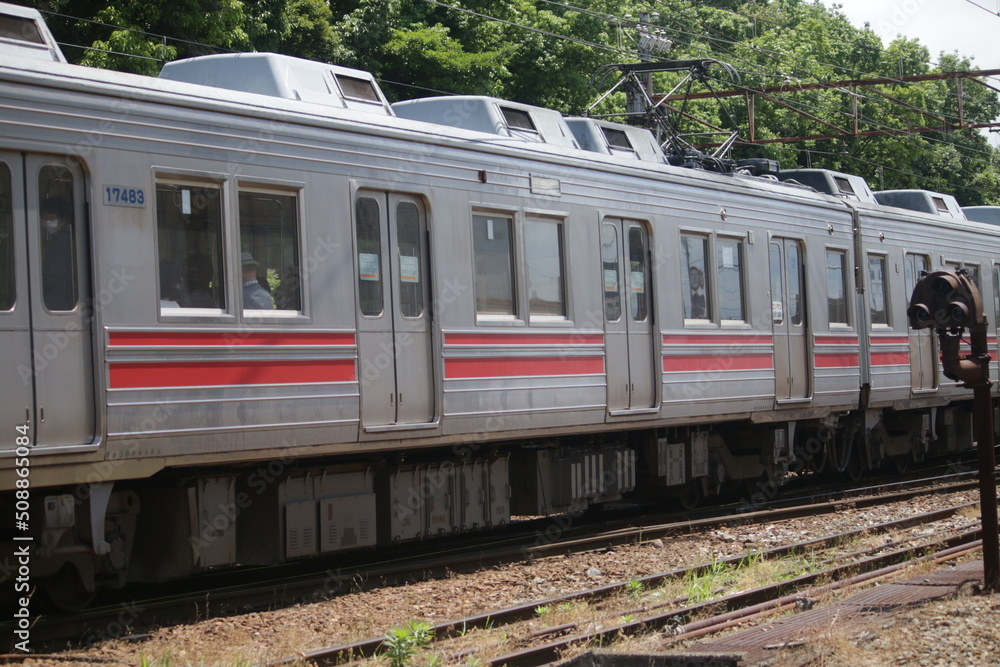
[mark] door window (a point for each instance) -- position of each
(609, 264)
(7, 282)
(369, 237)
(411, 276)
(58, 238)
(638, 275)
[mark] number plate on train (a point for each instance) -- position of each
(120, 195)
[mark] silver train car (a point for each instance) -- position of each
(255, 313)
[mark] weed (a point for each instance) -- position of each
(634, 589)
(402, 642)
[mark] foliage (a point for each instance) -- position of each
(546, 53)
(402, 642)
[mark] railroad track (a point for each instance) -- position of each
(275, 588)
(674, 615)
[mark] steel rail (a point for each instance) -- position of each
(765, 595)
(450, 629)
(88, 625)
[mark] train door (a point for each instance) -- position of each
(45, 305)
(628, 315)
(394, 319)
(788, 320)
(923, 357)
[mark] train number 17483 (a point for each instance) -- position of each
(119, 195)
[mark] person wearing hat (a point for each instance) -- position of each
(254, 295)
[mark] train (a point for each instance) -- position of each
(255, 313)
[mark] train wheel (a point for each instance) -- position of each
(820, 460)
(691, 495)
(839, 452)
(901, 463)
(65, 590)
(855, 466)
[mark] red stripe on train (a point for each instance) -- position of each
(709, 363)
(161, 375)
(836, 360)
(836, 340)
(890, 358)
(522, 339)
(182, 338)
(522, 366)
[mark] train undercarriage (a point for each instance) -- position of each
(181, 522)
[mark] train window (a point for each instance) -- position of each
(494, 257)
(777, 286)
(609, 263)
(971, 269)
(189, 237)
(518, 119)
(58, 238)
(913, 265)
(836, 287)
(996, 294)
(940, 204)
(411, 288)
(7, 282)
(796, 298)
(638, 274)
(269, 251)
(617, 139)
(729, 262)
(22, 29)
(845, 187)
(877, 289)
(369, 237)
(694, 278)
(543, 256)
(357, 89)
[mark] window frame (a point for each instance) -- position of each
(845, 284)
(561, 228)
(884, 259)
(706, 275)
(517, 317)
(285, 189)
(197, 179)
(741, 243)
(711, 276)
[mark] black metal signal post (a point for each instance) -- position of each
(949, 301)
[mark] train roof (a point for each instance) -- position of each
(836, 183)
(481, 113)
(607, 138)
(923, 201)
(23, 33)
(283, 76)
(988, 214)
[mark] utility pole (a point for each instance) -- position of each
(651, 40)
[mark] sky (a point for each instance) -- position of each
(941, 25)
(969, 27)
